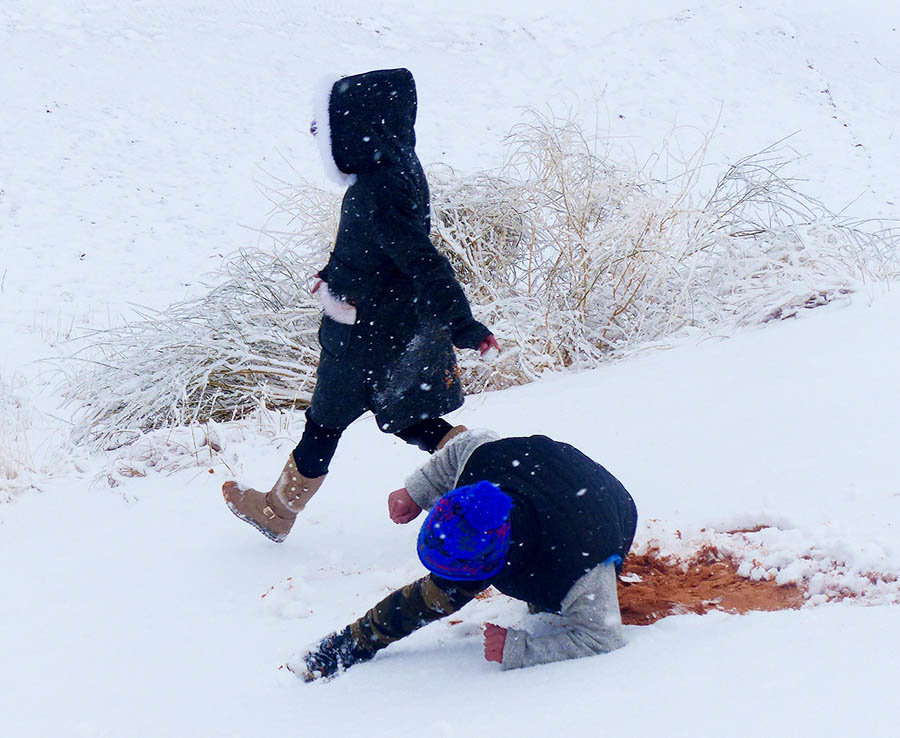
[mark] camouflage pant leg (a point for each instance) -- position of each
(408, 609)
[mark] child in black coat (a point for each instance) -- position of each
(393, 310)
(533, 517)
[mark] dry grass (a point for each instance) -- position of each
(569, 257)
(16, 461)
(573, 259)
(33, 446)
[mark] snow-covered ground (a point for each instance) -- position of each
(131, 136)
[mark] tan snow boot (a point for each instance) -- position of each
(454, 431)
(273, 513)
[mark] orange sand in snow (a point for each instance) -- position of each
(707, 581)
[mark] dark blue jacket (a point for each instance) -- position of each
(397, 359)
(569, 514)
(383, 260)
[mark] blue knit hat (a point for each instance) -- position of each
(466, 534)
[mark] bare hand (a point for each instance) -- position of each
(487, 344)
(401, 507)
(494, 641)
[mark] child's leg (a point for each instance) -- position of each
(316, 448)
(273, 512)
(426, 434)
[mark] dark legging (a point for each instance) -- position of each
(318, 443)
(426, 435)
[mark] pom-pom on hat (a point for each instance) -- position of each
(466, 534)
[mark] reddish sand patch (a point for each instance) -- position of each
(707, 581)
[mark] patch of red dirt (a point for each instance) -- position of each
(707, 581)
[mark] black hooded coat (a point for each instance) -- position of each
(397, 359)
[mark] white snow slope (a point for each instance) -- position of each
(131, 136)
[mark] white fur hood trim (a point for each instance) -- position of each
(321, 100)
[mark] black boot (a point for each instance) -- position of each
(333, 654)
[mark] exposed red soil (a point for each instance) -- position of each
(707, 581)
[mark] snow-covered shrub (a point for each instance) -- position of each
(32, 445)
(570, 257)
(16, 469)
(251, 341)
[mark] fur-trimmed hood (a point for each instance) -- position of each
(365, 121)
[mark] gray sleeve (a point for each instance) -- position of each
(593, 624)
(439, 475)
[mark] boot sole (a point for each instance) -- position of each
(267, 532)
